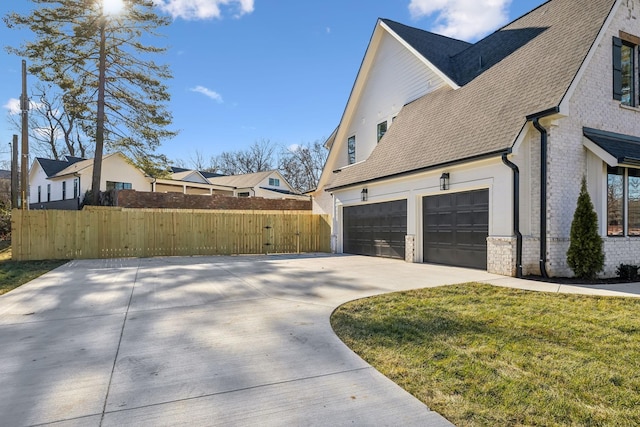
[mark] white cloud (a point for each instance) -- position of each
(463, 19)
(293, 147)
(203, 9)
(13, 105)
(208, 93)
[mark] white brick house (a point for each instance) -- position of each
(444, 147)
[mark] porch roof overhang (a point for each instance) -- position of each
(615, 149)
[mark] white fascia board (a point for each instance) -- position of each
(424, 60)
(564, 104)
(598, 151)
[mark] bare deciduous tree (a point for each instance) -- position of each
(257, 158)
(52, 130)
(301, 165)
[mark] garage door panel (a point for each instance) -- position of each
(456, 227)
(377, 229)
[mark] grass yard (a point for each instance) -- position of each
(16, 273)
(488, 356)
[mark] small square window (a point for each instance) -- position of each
(275, 182)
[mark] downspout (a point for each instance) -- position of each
(544, 136)
(516, 212)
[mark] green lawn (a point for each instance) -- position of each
(488, 356)
(16, 273)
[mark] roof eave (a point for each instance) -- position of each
(483, 156)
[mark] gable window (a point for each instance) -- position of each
(382, 129)
(64, 190)
(625, 78)
(48, 192)
(111, 185)
(275, 182)
(351, 149)
(623, 202)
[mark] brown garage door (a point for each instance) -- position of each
(378, 229)
(456, 227)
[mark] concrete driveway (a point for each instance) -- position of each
(202, 341)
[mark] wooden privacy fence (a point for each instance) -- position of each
(100, 232)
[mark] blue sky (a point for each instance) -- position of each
(282, 70)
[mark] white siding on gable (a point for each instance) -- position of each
(396, 78)
(116, 169)
(37, 177)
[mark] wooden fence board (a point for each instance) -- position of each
(115, 233)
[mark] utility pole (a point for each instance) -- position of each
(14, 173)
(24, 167)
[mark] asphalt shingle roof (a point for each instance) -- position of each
(486, 115)
(625, 148)
(52, 167)
(241, 181)
(438, 49)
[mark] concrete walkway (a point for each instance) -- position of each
(208, 341)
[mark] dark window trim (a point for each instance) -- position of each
(625, 201)
(351, 150)
(632, 42)
(379, 133)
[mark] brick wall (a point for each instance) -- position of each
(501, 255)
(591, 105)
(135, 199)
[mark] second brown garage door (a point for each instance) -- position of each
(456, 227)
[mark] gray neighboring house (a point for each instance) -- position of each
(472, 154)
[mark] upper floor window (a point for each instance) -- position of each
(64, 190)
(111, 185)
(75, 188)
(48, 192)
(351, 149)
(275, 182)
(382, 129)
(39, 193)
(623, 202)
(625, 77)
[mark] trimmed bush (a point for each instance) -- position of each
(585, 255)
(628, 272)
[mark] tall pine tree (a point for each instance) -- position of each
(585, 255)
(101, 60)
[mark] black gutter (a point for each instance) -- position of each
(544, 137)
(423, 169)
(516, 212)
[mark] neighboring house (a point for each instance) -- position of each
(268, 184)
(472, 154)
(62, 184)
(189, 181)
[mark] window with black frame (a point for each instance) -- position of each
(623, 202)
(625, 78)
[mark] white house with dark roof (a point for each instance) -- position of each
(268, 184)
(472, 154)
(62, 184)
